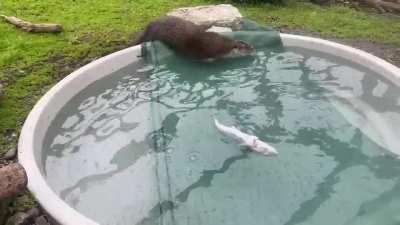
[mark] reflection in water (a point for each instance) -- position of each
(204, 181)
(160, 139)
(140, 147)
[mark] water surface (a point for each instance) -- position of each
(140, 146)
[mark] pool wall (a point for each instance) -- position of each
(46, 109)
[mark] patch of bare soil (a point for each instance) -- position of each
(388, 52)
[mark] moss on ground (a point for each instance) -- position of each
(31, 63)
(22, 203)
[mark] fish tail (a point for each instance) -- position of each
(220, 127)
(216, 122)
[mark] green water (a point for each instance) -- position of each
(140, 146)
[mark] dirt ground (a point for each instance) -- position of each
(388, 52)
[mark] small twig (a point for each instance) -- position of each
(33, 27)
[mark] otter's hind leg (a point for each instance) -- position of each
(140, 38)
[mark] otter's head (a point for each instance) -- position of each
(239, 48)
(242, 48)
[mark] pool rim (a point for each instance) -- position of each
(43, 112)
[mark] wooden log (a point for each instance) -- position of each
(390, 6)
(383, 5)
(33, 27)
(13, 180)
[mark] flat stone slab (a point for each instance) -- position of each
(222, 15)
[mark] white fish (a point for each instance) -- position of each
(251, 141)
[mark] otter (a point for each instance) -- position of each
(192, 40)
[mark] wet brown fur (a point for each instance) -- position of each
(190, 39)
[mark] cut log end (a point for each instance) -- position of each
(383, 5)
(13, 180)
(33, 27)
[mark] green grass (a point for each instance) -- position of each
(92, 28)
(31, 63)
(338, 21)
